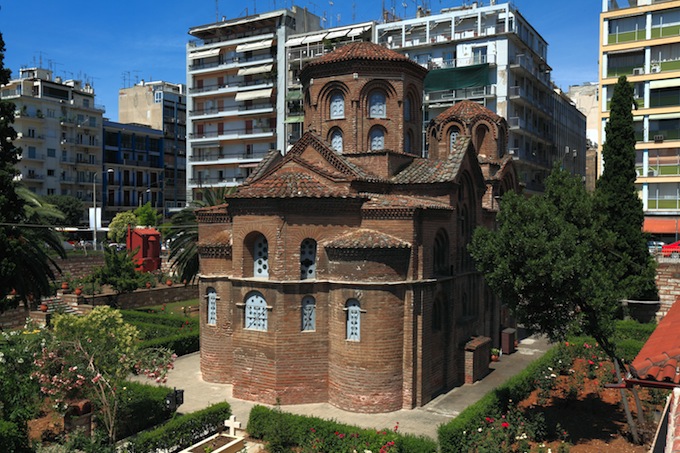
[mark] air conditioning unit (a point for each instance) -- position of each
(638, 71)
(658, 138)
(655, 68)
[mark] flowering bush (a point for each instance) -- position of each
(90, 356)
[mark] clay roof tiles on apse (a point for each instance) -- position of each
(290, 183)
(380, 201)
(360, 51)
(659, 358)
(467, 111)
(218, 238)
(365, 238)
(424, 171)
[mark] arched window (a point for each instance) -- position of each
(353, 309)
(211, 296)
(408, 140)
(256, 312)
(377, 105)
(377, 139)
(337, 105)
(453, 137)
(308, 313)
(308, 259)
(261, 257)
(441, 253)
(336, 139)
(439, 317)
(407, 109)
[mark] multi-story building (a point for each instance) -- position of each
(133, 165)
(236, 77)
(492, 55)
(59, 130)
(162, 105)
(639, 39)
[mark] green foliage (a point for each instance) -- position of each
(283, 432)
(119, 271)
(119, 226)
(12, 438)
(71, 207)
(633, 330)
(617, 198)
(181, 431)
(147, 215)
(141, 407)
(179, 334)
(550, 260)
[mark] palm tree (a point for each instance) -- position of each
(36, 246)
(183, 233)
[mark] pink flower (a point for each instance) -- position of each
(96, 378)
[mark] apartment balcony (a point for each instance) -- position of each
(67, 180)
(226, 157)
(525, 64)
(443, 98)
(33, 156)
(520, 125)
(231, 111)
(460, 62)
(30, 138)
(198, 182)
(234, 134)
(230, 86)
(524, 97)
(25, 116)
(614, 5)
(231, 63)
(30, 176)
(666, 203)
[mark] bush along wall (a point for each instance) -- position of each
(181, 431)
(178, 333)
(140, 407)
(289, 432)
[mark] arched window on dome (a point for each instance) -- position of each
(336, 139)
(308, 259)
(261, 257)
(337, 105)
(255, 312)
(377, 104)
(377, 139)
(453, 136)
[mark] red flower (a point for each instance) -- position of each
(489, 420)
(505, 425)
(590, 362)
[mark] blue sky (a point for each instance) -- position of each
(114, 44)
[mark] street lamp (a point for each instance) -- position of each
(94, 210)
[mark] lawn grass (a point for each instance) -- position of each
(177, 308)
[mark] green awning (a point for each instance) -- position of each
(457, 78)
(294, 119)
(294, 95)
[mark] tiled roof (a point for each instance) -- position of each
(218, 238)
(290, 183)
(659, 358)
(364, 238)
(271, 159)
(360, 51)
(467, 111)
(380, 201)
(146, 231)
(424, 171)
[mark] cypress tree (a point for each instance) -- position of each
(618, 200)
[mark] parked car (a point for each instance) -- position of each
(671, 250)
(655, 247)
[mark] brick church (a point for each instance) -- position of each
(338, 272)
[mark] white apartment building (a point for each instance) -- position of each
(162, 105)
(236, 78)
(492, 55)
(59, 130)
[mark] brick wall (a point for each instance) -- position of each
(477, 355)
(668, 283)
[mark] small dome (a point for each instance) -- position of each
(467, 111)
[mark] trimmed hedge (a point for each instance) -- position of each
(141, 406)
(284, 431)
(633, 330)
(181, 344)
(177, 333)
(493, 404)
(181, 431)
(135, 316)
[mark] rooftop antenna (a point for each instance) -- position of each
(217, 11)
(354, 11)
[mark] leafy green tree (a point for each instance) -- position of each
(92, 356)
(550, 260)
(183, 233)
(71, 207)
(119, 271)
(147, 215)
(617, 198)
(119, 226)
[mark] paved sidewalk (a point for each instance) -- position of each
(422, 421)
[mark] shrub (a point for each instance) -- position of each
(12, 438)
(178, 333)
(633, 330)
(181, 344)
(181, 431)
(141, 406)
(629, 348)
(284, 431)
(135, 316)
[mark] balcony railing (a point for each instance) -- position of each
(214, 157)
(229, 61)
(235, 84)
(216, 180)
(233, 132)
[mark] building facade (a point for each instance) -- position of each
(133, 168)
(162, 105)
(338, 271)
(236, 77)
(59, 129)
(492, 55)
(640, 40)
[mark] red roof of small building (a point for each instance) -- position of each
(146, 231)
(362, 50)
(659, 358)
(467, 111)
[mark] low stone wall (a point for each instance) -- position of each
(477, 355)
(79, 265)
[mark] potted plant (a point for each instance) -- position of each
(495, 354)
(79, 291)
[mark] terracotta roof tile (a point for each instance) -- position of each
(360, 51)
(467, 111)
(219, 238)
(364, 238)
(380, 201)
(290, 183)
(659, 357)
(424, 171)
